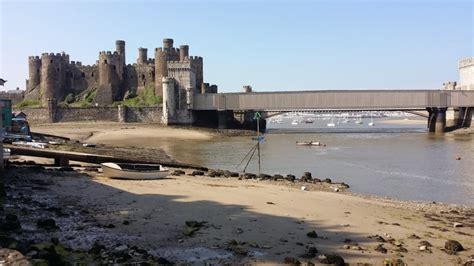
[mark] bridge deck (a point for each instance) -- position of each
(335, 100)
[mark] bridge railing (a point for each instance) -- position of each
(335, 100)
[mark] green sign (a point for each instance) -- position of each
(257, 116)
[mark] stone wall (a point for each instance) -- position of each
(35, 115)
(109, 114)
(144, 114)
(86, 114)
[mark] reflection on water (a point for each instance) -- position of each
(397, 160)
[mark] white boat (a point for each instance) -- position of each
(134, 171)
(359, 121)
(294, 122)
(371, 124)
(331, 124)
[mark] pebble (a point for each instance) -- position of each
(304, 188)
(423, 248)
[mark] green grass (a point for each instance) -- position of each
(146, 97)
(29, 103)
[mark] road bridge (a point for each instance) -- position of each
(240, 106)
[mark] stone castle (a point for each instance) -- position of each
(172, 74)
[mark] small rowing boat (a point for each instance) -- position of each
(134, 171)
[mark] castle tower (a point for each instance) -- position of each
(53, 69)
(120, 49)
(142, 56)
(183, 52)
(169, 100)
(162, 56)
(109, 80)
(34, 71)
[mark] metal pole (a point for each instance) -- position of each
(258, 143)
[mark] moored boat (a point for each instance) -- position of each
(134, 171)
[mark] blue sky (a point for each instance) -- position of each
(271, 45)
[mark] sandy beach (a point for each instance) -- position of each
(246, 220)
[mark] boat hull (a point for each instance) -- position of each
(112, 170)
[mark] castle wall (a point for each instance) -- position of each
(109, 114)
(15, 97)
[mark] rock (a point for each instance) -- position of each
(336, 189)
(452, 247)
(425, 243)
(264, 176)
(110, 226)
(291, 260)
(423, 248)
(332, 259)
(48, 224)
(346, 247)
(458, 158)
(197, 172)
(310, 253)
(316, 180)
(96, 248)
(394, 262)
(457, 225)
(327, 180)
(270, 203)
(381, 249)
(304, 188)
(178, 172)
(125, 222)
(249, 176)
(306, 177)
(234, 174)
(290, 178)
(312, 234)
(121, 248)
(66, 169)
(413, 236)
(277, 177)
(344, 185)
(11, 223)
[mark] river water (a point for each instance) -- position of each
(397, 158)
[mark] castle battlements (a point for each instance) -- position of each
(466, 62)
(52, 75)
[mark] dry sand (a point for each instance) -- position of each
(109, 132)
(271, 219)
(411, 121)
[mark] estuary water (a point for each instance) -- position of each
(394, 158)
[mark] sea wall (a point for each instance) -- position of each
(109, 114)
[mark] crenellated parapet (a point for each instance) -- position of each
(466, 62)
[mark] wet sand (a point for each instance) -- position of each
(256, 221)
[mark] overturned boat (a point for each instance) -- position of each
(134, 171)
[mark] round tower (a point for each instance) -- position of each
(169, 100)
(167, 43)
(120, 48)
(51, 76)
(34, 72)
(183, 52)
(142, 56)
(107, 68)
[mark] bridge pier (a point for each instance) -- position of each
(437, 119)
